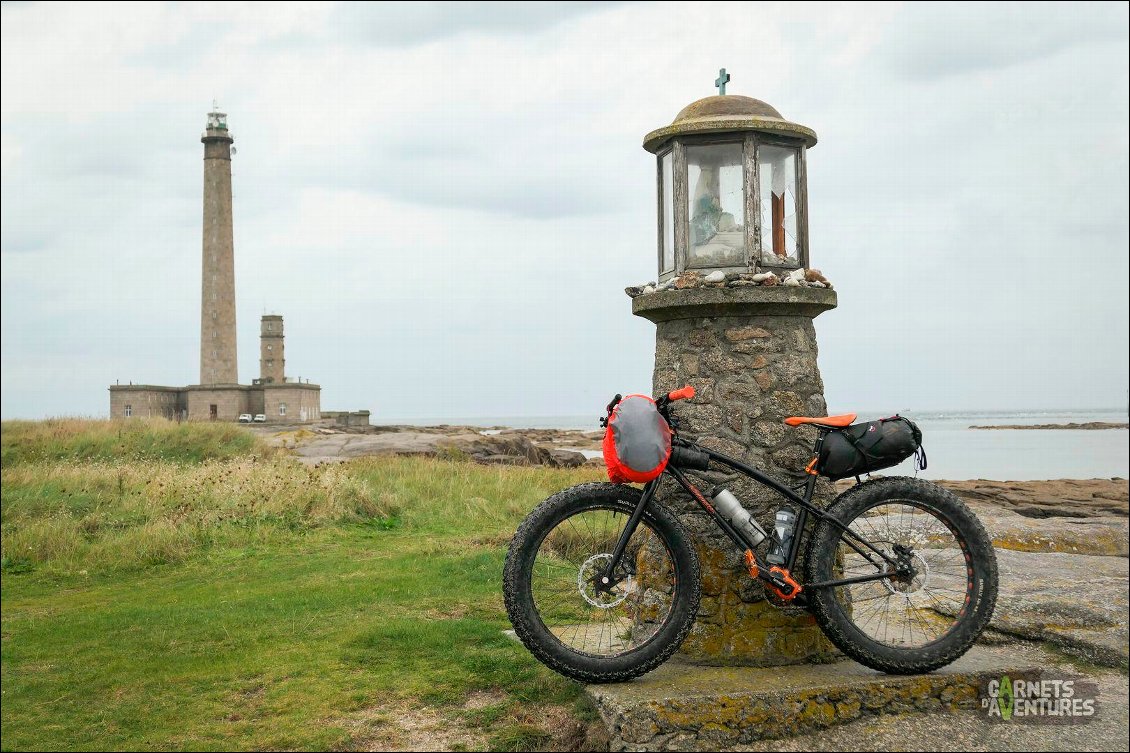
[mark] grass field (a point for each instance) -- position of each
(185, 587)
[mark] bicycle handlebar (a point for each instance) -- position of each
(661, 403)
(686, 393)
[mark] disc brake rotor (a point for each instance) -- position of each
(907, 585)
(586, 576)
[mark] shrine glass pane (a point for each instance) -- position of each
(716, 206)
(668, 174)
(778, 168)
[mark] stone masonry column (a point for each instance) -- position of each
(217, 293)
(750, 353)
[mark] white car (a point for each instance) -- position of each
(260, 418)
(245, 418)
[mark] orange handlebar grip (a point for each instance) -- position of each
(684, 394)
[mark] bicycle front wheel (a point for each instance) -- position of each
(563, 612)
(939, 584)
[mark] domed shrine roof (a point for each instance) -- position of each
(724, 113)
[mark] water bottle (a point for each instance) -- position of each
(731, 509)
(785, 522)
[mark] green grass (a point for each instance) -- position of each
(310, 616)
(77, 439)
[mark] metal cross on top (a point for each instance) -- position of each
(722, 80)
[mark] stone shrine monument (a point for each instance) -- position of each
(734, 307)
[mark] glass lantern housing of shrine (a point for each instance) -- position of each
(734, 203)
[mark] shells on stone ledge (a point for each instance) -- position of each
(817, 277)
(809, 278)
(688, 279)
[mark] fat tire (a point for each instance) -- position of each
(838, 626)
(519, 600)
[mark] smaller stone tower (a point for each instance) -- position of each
(272, 350)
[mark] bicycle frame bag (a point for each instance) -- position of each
(873, 446)
(637, 441)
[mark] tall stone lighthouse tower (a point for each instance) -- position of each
(217, 307)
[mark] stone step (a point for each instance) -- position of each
(683, 706)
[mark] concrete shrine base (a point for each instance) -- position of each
(685, 706)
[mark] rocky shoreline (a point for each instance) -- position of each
(558, 448)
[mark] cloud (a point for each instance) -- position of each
(938, 40)
(449, 218)
(400, 24)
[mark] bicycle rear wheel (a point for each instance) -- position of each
(924, 617)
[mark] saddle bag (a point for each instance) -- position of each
(637, 441)
(872, 446)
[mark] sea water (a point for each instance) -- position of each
(953, 449)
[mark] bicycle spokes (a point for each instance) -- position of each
(575, 603)
(927, 588)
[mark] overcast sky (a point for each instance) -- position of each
(446, 201)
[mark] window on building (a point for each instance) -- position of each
(270, 362)
(213, 334)
(270, 347)
(129, 410)
(270, 325)
(282, 409)
(213, 314)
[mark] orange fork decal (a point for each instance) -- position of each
(751, 563)
(701, 499)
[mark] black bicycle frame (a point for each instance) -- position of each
(804, 503)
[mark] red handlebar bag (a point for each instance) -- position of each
(637, 442)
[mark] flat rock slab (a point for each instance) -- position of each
(1083, 498)
(682, 706)
(1077, 602)
(1105, 535)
